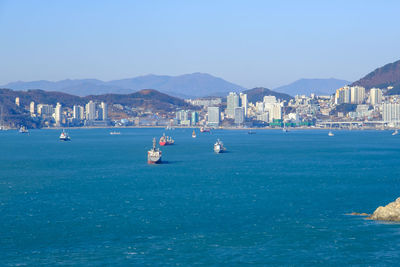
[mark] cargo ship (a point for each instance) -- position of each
(64, 136)
(154, 154)
(219, 147)
(166, 140)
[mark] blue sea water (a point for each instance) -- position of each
(273, 199)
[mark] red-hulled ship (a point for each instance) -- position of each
(166, 140)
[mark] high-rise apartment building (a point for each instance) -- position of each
(213, 116)
(375, 96)
(58, 114)
(391, 112)
(90, 110)
(244, 103)
(239, 115)
(232, 103)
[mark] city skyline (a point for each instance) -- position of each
(260, 43)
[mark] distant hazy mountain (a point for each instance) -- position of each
(258, 93)
(388, 75)
(309, 86)
(188, 85)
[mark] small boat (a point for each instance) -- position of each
(219, 147)
(285, 129)
(154, 154)
(115, 133)
(204, 130)
(169, 127)
(194, 134)
(64, 136)
(251, 132)
(330, 133)
(396, 132)
(163, 140)
(170, 141)
(23, 129)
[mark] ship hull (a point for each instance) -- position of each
(153, 160)
(162, 143)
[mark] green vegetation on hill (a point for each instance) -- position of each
(388, 75)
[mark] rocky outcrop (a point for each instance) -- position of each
(391, 212)
(359, 214)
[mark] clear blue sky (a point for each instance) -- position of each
(252, 43)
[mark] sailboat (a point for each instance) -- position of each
(194, 134)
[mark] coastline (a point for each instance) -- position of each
(219, 128)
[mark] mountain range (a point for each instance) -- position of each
(183, 86)
(187, 85)
(309, 86)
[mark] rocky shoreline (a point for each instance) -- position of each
(390, 212)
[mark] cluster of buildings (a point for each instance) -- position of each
(92, 114)
(349, 105)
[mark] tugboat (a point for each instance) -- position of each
(170, 141)
(166, 140)
(163, 140)
(194, 134)
(154, 154)
(204, 130)
(64, 136)
(23, 129)
(219, 147)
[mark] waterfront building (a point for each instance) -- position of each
(244, 103)
(263, 117)
(194, 118)
(90, 110)
(375, 96)
(58, 114)
(274, 111)
(104, 109)
(182, 115)
(213, 116)
(78, 112)
(239, 115)
(232, 103)
(391, 112)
